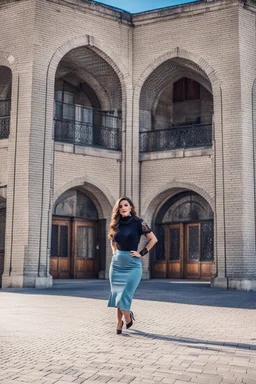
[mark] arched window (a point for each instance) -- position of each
(77, 204)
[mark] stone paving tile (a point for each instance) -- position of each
(184, 333)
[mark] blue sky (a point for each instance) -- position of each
(134, 6)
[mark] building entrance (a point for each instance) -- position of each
(185, 248)
(78, 238)
(74, 249)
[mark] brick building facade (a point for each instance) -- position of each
(159, 106)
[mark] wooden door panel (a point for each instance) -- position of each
(172, 265)
(174, 270)
(174, 250)
(54, 267)
(60, 249)
(85, 269)
(64, 268)
(193, 270)
(159, 269)
(188, 251)
(64, 251)
(192, 251)
(86, 263)
(206, 270)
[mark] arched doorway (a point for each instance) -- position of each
(185, 229)
(78, 237)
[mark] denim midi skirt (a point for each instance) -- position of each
(124, 275)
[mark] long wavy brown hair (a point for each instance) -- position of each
(115, 218)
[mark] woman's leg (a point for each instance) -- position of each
(127, 316)
(119, 318)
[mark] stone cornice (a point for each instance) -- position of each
(151, 16)
(183, 10)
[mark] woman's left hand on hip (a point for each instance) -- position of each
(135, 254)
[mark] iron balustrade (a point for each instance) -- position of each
(5, 109)
(87, 134)
(86, 126)
(191, 136)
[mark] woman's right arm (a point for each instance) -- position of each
(113, 246)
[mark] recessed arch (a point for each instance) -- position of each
(184, 54)
(183, 221)
(98, 47)
(161, 194)
(99, 193)
(80, 215)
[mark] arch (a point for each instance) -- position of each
(160, 195)
(97, 192)
(120, 69)
(186, 240)
(173, 206)
(102, 49)
(75, 203)
(183, 54)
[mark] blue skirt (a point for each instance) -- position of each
(124, 275)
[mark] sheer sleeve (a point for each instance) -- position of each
(145, 228)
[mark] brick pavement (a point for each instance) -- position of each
(184, 333)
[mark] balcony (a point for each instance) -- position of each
(5, 109)
(190, 136)
(87, 127)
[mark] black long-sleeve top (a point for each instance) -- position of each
(130, 231)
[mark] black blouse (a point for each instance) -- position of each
(130, 231)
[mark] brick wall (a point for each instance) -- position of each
(138, 62)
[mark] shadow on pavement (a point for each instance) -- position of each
(171, 291)
(194, 343)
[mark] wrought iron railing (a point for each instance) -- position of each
(86, 126)
(87, 134)
(5, 109)
(191, 136)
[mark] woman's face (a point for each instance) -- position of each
(124, 208)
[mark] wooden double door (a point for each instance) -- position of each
(74, 248)
(188, 252)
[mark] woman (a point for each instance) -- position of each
(125, 271)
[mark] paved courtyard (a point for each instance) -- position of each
(185, 332)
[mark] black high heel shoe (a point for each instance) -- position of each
(131, 322)
(119, 331)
